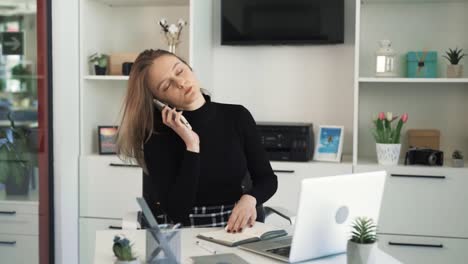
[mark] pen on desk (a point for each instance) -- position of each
(176, 226)
(205, 247)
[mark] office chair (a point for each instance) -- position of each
(264, 211)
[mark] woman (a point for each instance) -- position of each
(193, 176)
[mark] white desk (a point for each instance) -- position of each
(104, 254)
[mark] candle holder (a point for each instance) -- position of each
(385, 60)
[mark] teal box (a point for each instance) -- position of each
(422, 64)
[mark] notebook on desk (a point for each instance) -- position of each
(259, 231)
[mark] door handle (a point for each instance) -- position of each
(9, 243)
(284, 171)
(123, 165)
(415, 245)
(7, 212)
(418, 176)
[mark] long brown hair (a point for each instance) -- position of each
(137, 123)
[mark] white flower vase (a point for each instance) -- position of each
(388, 154)
(359, 253)
(172, 48)
(136, 261)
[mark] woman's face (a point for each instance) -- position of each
(172, 82)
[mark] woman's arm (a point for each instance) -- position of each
(264, 181)
(173, 177)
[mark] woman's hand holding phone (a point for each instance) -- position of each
(172, 119)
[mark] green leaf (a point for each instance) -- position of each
(364, 231)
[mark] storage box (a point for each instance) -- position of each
(117, 59)
(422, 64)
(424, 138)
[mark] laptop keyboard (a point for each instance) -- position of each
(282, 251)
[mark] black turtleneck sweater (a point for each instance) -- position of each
(229, 148)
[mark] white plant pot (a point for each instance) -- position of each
(359, 253)
(454, 71)
(388, 154)
(136, 261)
(458, 163)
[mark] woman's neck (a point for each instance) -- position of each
(197, 103)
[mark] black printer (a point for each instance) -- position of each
(287, 141)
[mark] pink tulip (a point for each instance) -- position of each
(404, 117)
(381, 116)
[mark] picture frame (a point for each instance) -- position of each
(329, 144)
(106, 139)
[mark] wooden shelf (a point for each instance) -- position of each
(123, 3)
(412, 80)
(106, 77)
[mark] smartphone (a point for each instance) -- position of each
(160, 105)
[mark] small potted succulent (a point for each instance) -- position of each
(454, 70)
(123, 251)
(457, 159)
(99, 61)
(362, 242)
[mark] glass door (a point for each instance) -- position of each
(25, 132)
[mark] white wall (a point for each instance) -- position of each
(310, 83)
(65, 46)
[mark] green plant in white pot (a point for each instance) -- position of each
(100, 62)
(454, 69)
(387, 137)
(363, 241)
(457, 159)
(123, 251)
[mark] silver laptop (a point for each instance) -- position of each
(327, 208)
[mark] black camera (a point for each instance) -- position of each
(424, 156)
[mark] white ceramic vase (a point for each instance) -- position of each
(454, 71)
(388, 154)
(136, 261)
(359, 253)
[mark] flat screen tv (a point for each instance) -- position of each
(254, 22)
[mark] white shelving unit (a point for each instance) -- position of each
(123, 26)
(108, 189)
(430, 102)
(410, 2)
(417, 199)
